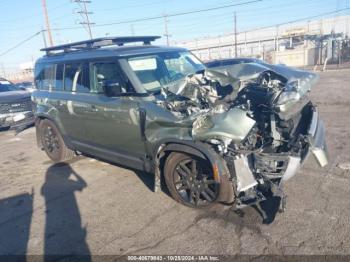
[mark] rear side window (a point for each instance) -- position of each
(49, 77)
(75, 78)
(59, 77)
(45, 76)
(38, 74)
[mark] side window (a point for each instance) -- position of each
(102, 73)
(39, 75)
(49, 77)
(59, 77)
(75, 78)
(45, 76)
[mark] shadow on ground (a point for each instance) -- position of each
(64, 233)
(15, 220)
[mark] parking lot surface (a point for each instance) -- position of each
(91, 207)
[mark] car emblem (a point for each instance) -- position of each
(15, 105)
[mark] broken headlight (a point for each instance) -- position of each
(288, 97)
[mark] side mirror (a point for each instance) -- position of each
(111, 88)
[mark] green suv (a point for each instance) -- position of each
(229, 134)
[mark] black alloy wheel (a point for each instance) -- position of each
(190, 180)
(53, 143)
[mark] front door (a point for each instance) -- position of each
(112, 122)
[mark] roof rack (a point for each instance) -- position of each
(100, 42)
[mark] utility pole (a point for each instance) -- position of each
(48, 29)
(166, 34)
(236, 53)
(85, 15)
(44, 38)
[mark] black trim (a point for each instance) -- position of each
(142, 113)
(118, 157)
(187, 146)
(100, 42)
(185, 149)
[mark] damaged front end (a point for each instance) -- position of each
(258, 118)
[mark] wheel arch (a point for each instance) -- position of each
(202, 150)
(193, 148)
(38, 119)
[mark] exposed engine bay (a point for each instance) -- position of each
(259, 119)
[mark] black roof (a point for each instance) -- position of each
(114, 47)
(122, 51)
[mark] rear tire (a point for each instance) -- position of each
(53, 143)
(191, 182)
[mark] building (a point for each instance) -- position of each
(295, 44)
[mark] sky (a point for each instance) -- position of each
(21, 19)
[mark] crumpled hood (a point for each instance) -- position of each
(202, 85)
(232, 75)
(11, 96)
(250, 71)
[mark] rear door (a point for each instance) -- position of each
(69, 98)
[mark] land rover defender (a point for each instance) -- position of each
(232, 134)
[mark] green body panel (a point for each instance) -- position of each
(233, 124)
(114, 122)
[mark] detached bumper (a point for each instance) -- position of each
(317, 140)
(16, 120)
(317, 146)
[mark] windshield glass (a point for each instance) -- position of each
(155, 71)
(6, 86)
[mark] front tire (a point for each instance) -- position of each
(53, 143)
(190, 181)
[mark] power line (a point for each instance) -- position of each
(85, 15)
(168, 15)
(34, 14)
(223, 18)
(284, 23)
(20, 43)
(182, 13)
(298, 20)
(130, 6)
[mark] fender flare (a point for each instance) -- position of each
(221, 172)
(194, 148)
(38, 119)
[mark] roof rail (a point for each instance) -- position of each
(100, 42)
